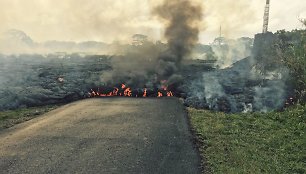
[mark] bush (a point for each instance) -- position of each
(292, 50)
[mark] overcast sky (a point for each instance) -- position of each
(116, 20)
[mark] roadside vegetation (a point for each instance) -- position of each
(291, 51)
(252, 143)
(288, 50)
(273, 142)
(12, 117)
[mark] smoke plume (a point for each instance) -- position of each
(152, 64)
(182, 19)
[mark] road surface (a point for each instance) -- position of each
(109, 135)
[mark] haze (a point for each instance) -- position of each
(117, 20)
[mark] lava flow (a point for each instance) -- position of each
(125, 91)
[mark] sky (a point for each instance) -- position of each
(118, 20)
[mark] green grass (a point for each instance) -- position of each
(252, 143)
(11, 117)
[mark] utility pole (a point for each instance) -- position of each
(220, 35)
(266, 17)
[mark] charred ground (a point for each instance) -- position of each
(34, 80)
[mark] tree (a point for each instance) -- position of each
(292, 50)
(284, 50)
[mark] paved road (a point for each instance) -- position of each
(110, 135)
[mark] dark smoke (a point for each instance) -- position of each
(148, 64)
(182, 19)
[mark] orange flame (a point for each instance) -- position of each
(128, 92)
(169, 94)
(145, 92)
(115, 92)
(93, 93)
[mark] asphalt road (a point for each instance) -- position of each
(109, 135)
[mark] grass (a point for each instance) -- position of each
(252, 143)
(12, 117)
